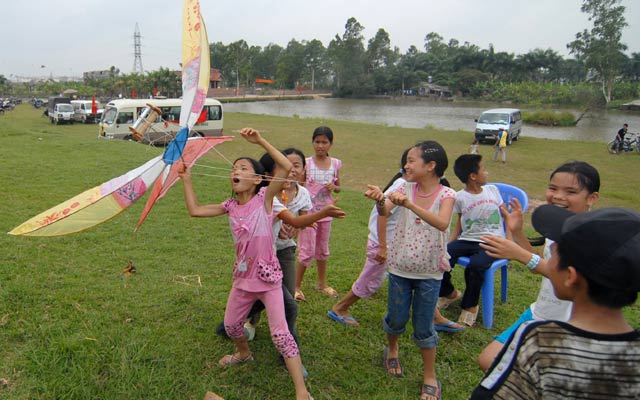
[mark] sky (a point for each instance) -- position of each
(69, 37)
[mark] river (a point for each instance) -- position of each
(600, 126)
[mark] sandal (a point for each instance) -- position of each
(430, 390)
(468, 318)
(445, 302)
(233, 359)
(328, 290)
(299, 296)
(391, 364)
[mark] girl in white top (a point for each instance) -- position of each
(381, 230)
(574, 186)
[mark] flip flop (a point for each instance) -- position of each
(299, 296)
(232, 359)
(447, 327)
(430, 390)
(347, 321)
(445, 302)
(329, 291)
(392, 363)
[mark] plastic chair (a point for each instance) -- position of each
(508, 192)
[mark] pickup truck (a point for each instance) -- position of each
(61, 113)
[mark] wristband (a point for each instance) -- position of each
(535, 260)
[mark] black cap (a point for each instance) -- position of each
(603, 245)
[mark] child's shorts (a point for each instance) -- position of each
(505, 335)
(314, 243)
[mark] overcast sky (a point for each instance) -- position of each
(69, 37)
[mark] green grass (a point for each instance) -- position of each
(73, 327)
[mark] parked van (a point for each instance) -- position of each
(120, 114)
(82, 111)
(491, 121)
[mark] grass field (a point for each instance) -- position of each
(72, 326)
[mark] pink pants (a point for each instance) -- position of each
(314, 243)
(238, 306)
(372, 275)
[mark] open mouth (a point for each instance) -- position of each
(236, 180)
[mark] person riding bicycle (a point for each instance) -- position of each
(620, 137)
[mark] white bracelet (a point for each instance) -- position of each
(535, 260)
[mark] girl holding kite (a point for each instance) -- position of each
(256, 273)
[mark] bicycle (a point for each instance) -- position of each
(631, 142)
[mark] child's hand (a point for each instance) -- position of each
(381, 255)
(499, 247)
(513, 220)
(374, 193)
(399, 199)
(287, 232)
(251, 135)
(183, 171)
(334, 211)
(330, 187)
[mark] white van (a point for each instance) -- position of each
(120, 114)
(61, 113)
(82, 111)
(490, 122)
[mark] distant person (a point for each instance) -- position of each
(501, 145)
(473, 149)
(595, 264)
(620, 137)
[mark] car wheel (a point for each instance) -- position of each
(509, 140)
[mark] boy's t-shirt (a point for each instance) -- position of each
(479, 213)
(555, 360)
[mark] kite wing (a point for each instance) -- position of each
(94, 206)
(195, 148)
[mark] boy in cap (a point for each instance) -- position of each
(595, 263)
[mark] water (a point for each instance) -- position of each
(599, 126)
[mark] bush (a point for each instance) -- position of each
(549, 118)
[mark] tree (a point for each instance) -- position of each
(348, 58)
(600, 48)
(314, 59)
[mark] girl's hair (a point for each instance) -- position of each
(270, 165)
(403, 161)
(432, 151)
(323, 131)
(587, 176)
(258, 169)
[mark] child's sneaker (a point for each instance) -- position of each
(249, 331)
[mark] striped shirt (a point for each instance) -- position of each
(554, 360)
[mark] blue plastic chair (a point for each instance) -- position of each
(508, 192)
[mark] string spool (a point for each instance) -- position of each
(147, 118)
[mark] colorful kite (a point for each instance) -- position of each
(111, 198)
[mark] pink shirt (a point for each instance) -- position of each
(251, 228)
(316, 179)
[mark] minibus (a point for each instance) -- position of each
(120, 114)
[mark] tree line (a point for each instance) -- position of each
(348, 67)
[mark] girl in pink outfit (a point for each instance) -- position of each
(256, 273)
(322, 179)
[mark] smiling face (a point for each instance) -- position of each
(565, 190)
(297, 171)
(416, 168)
(243, 176)
(321, 145)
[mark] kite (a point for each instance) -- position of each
(105, 201)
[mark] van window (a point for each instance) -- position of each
(125, 118)
(109, 115)
(65, 108)
(214, 113)
(494, 119)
